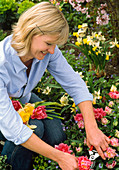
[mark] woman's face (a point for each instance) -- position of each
(41, 45)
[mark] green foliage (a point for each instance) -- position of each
(40, 162)
(6, 5)
(3, 164)
(2, 35)
(8, 9)
(23, 6)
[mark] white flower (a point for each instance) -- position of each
(80, 73)
(96, 96)
(113, 43)
(79, 40)
(113, 88)
(32, 127)
(84, 25)
(64, 100)
(47, 90)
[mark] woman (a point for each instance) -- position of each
(24, 57)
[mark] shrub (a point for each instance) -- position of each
(8, 13)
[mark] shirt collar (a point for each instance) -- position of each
(17, 63)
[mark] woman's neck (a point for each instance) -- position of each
(28, 63)
(26, 59)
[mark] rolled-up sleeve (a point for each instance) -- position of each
(70, 81)
(11, 124)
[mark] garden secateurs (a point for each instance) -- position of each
(93, 156)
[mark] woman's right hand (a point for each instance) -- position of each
(65, 160)
(68, 162)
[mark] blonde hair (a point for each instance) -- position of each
(42, 18)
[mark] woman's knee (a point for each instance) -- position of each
(53, 133)
(39, 130)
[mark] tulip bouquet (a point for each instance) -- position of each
(38, 110)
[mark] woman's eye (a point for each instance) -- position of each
(49, 44)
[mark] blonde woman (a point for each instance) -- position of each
(24, 57)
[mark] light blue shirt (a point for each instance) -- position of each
(13, 78)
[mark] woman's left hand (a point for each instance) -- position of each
(98, 139)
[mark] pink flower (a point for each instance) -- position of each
(104, 121)
(79, 149)
(108, 110)
(85, 142)
(114, 95)
(102, 20)
(114, 142)
(78, 117)
(88, 0)
(63, 147)
(84, 163)
(111, 103)
(17, 105)
(99, 113)
(112, 165)
(110, 153)
(39, 113)
(81, 124)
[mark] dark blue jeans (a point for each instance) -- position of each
(48, 130)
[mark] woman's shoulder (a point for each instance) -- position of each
(5, 50)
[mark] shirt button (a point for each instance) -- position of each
(24, 70)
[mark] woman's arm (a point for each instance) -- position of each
(95, 136)
(66, 161)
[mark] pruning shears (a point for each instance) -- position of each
(93, 156)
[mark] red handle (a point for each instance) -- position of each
(91, 148)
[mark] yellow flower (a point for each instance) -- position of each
(77, 43)
(88, 42)
(29, 108)
(73, 105)
(97, 53)
(73, 110)
(79, 26)
(26, 112)
(24, 115)
(74, 33)
(85, 40)
(94, 100)
(96, 35)
(107, 57)
(54, 2)
(89, 52)
(38, 89)
(60, 8)
(94, 48)
(117, 45)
